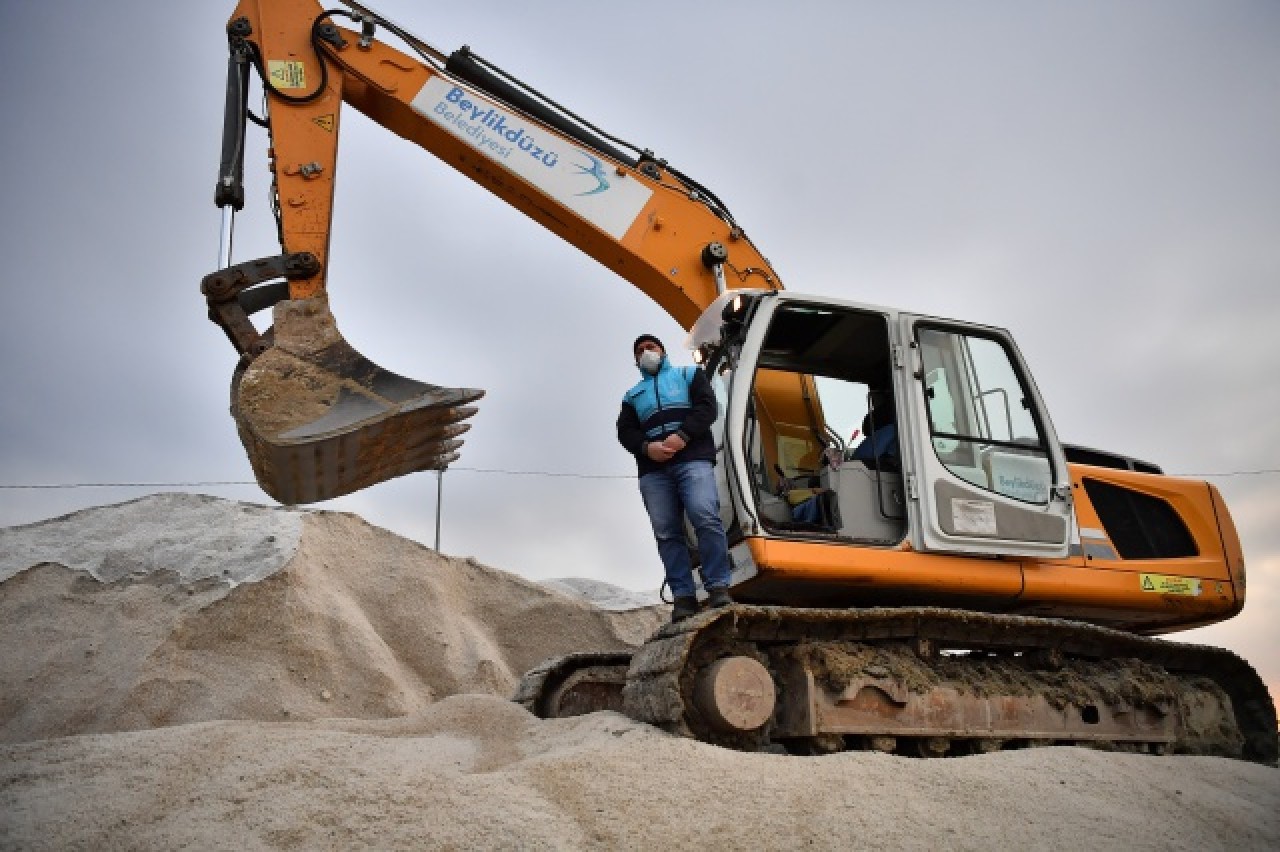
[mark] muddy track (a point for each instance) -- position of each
(659, 679)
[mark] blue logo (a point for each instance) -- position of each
(596, 170)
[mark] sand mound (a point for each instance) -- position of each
(299, 680)
(475, 772)
(179, 608)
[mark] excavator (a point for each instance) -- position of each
(960, 581)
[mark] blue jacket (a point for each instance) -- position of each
(678, 400)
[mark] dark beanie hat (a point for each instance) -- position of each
(642, 338)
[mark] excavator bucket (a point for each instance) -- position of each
(320, 420)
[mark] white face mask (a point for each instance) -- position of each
(650, 361)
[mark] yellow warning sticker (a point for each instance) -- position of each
(286, 74)
(325, 121)
(1165, 585)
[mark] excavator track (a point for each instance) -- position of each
(575, 684)
(922, 681)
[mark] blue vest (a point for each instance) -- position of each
(662, 402)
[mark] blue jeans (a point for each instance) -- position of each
(810, 511)
(671, 493)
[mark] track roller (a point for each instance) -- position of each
(735, 694)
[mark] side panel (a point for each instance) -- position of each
(1169, 579)
(839, 574)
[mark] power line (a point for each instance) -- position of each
(211, 484)
(239, 482)
(218, 483)
(544, 473)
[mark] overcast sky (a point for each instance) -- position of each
(1101, 178)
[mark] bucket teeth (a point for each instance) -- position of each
(322, 421)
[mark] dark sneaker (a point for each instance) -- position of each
(684, 608)
(718, 597)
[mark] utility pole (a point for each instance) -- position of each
(439, 498)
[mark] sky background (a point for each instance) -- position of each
(1101, 178)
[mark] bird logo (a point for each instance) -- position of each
(596, 170)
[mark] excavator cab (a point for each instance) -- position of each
(851, 428)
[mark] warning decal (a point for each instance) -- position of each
(974, 517)
(286, 74)
(1165, 585)
(325, 121)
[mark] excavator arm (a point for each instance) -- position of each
(318, 419)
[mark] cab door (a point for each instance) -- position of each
(985, 471)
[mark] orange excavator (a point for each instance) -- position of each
(958, 580)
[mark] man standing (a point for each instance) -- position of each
(665, 423)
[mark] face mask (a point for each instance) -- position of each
(650, 361)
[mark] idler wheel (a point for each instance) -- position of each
(735, 694)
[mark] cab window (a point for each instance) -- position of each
(983, 422)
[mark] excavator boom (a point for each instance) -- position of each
(317, 418)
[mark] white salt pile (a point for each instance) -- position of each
(181, 608)
(604, 595)
(188, 672)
